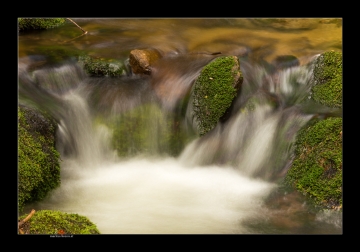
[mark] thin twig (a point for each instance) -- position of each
(77, 25)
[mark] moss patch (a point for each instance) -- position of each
(56, 222)
(214, 91)
(39, 23)
(317, 168)
(327, 84)
(38, 160)
(102, 67)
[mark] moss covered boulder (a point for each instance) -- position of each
(56, 223)
(316, 170)
(327, 80)
(38, 160)
(39, 23)
(214, 91)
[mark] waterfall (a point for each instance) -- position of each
(216, 184)
(258, 137)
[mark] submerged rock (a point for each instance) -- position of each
(284, 61)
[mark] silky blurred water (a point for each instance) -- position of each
(222, 183)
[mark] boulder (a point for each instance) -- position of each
(214, 91)
(316, 170)
(38, 160)
(141, 60)
(327, 80)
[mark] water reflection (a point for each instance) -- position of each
(265, 38)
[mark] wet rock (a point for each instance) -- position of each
(316, 170)
(327, 81)
(172, 77)
(284, 61)
(38, 160)
(214, 91)
(102, 67)
(141, 60)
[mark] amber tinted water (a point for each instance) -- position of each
(263, 38)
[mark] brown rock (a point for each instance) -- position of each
(142, 60)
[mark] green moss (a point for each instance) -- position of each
(317, 168)
(58, 53)
(147, 130)
(102, 67)
(215, 90)
(38, 160)
(39, 23)
(56, 222)
(327, 84)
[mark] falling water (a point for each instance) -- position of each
(217, 184)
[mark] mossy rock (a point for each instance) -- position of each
(214, 91)
(38, 159)
(57, 223)
(327, 80)
(39, 23)
(316, 170)
(147, 130)
(102, 67)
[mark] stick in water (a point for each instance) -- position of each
(77, 25)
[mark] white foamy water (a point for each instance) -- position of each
(150, 196)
